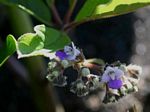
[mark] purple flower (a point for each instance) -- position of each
(115, 84)
(62, 55)
(69, 53)
(72, 52)
(112, 76)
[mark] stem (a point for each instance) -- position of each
(70, 26)
(55, 13)
(70, 11)
(74, 24)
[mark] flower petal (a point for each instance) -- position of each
(119, 73)
(68, 50)
(62, 55)
(115, 84)
(105, 77)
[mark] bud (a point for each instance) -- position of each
(123, 67)
(85, 71)
(50, 77)
(55, 73)
(129, 85)
(65, 63)
(123, 90)
(52, 65)
(112, 99)
(135, 88)
(78, 87)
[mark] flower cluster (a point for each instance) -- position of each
(69, 53)
(55, 74)
(112, 76)
(117, 79)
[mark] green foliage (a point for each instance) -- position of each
(8, 49)
(89, 8)
(97, 9)
(37, 8)
(118, 7)
(44, 42)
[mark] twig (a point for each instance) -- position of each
(70, 11)
(55, 13)
(72, 25)
(69, 26)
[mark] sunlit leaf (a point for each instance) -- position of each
(118, 7)
(109, 8)
(8, 49)
(44, 42)
(37, 8)
(89, 8)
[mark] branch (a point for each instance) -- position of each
(70, 11)
(73, 24)
(69, 26)
(55, 13)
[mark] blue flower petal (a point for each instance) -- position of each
(106, 77)
(62, 55)
(119, 73)
(115, 84)
(71, 52)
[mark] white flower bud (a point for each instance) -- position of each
(52, 65)
(65, 63)
(80, 85)
(123, 68)
(55, 73)
(50, 77)
(135, 88)
(85, 71)
(129, 85)
(123, 90)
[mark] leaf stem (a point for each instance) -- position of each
(74, 24)
(70, 11)
(55, 13)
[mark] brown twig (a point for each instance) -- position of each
(70, 26)
(55, 13)
(69, 12)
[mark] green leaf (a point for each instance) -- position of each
(37, 8)
(89, 8)
(118, 7)
(108, 8)
(8, 49)
(44, 42)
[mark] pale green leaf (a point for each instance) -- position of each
(107, 9)
(118, 7)
(44, 42)
(89, 8)
(8, 49)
